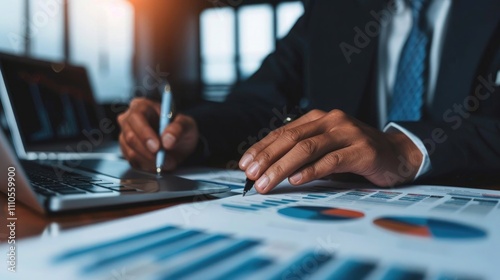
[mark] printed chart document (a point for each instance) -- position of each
(234, 179)
(322, 230)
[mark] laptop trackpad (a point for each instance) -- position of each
(143, 181)
(119, 169)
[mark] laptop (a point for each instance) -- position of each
(63, 185)
(51, 111)
(65, 158)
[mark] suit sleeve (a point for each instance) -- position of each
(469, 151)
(464, 147)
(253, 107)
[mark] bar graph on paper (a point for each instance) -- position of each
(175, 253)
(310, 232)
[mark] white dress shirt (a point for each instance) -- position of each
(393, 35)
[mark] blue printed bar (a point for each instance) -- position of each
(211, 259)
(106, 245)
(313, 260)
(397, 273)
(246, 268)
(120, 254)
(259, 206)
(189, 246)
(317, 196)
(271, 204)
(240, 207)
(353, 270)
(275, 201)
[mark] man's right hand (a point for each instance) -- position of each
(139, 142)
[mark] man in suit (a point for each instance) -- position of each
(393, 91)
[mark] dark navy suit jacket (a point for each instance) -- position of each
(321, 64)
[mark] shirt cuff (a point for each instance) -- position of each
(425, 166)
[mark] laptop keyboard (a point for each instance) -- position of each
(46, 182)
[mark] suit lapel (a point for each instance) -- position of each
(470, 28)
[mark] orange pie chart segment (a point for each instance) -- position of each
(429, 227)
(317, 213)
(343, 213)
(403, 228)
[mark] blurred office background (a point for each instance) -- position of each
(204, 46)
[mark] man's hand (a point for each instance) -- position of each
(139, 142)
(319, 144)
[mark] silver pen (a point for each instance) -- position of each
(165, 116)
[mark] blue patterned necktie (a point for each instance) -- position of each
(412, 73)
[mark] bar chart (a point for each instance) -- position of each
(172, 252)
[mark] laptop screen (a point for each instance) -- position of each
(51, 103)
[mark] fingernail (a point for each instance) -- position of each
(168, 141)
(253, 169)
(262, 183)
(296, 178)
(152, 145)
(246, 160)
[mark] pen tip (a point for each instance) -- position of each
(244, 193)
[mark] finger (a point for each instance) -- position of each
(136, 159)
(148, 138)
(137, 163)
(339, 161)
(143, 105)
(175, 130)
(125, 149)
(276, 150)
(138, 117)
(303, 153)
(249, 156)
(310, 125)
(133, 141)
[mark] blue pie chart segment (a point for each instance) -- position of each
(445, 229)
(430, 227)
(317, 213)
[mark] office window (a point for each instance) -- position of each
(101, 38)
(47, 29)
(11, 26)
(217, 46)
(288, 13)
(255, 37)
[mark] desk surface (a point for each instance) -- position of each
(32, 224)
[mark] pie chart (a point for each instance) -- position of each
(317, 213)
(429, 227)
